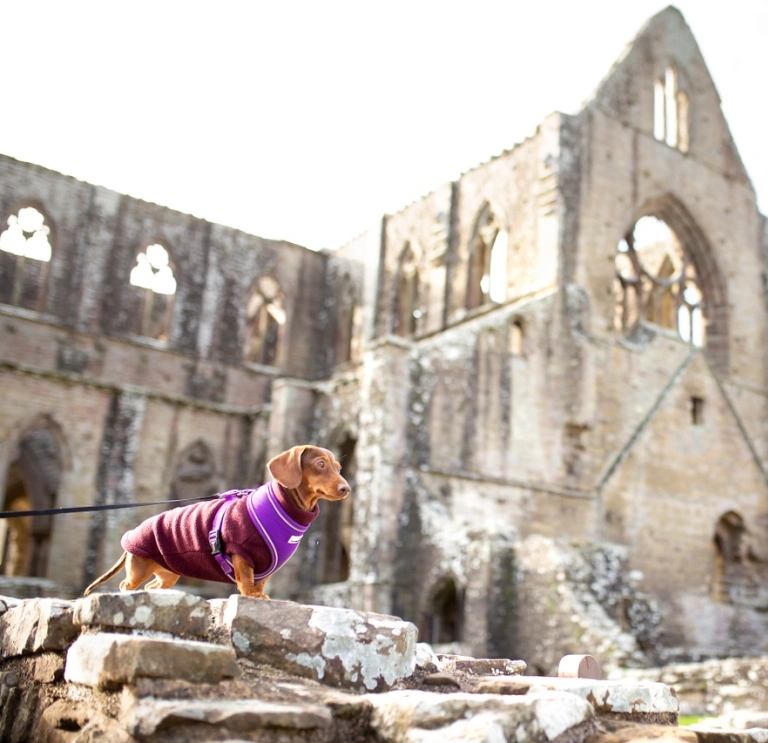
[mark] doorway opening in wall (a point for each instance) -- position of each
(657, 282)
(32, 482)
(442, 621)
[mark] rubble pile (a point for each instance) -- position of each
(168, 666)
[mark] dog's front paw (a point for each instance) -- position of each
(253, 594)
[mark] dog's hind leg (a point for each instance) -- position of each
(163, 579)
(137, 570)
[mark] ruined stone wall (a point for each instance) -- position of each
(143, 419)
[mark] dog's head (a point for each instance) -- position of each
(313, 471)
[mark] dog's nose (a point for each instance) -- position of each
(344, 489)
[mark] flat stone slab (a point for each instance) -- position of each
(107, 660)
(35, 625)
(628, 698)
(238, 715)
(482, 666)
(176, 612)
(423, 716)
(338, 647)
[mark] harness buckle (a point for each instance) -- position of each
(214, 537)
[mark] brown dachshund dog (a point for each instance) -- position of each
(243, 536)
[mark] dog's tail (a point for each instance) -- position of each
(114, 569)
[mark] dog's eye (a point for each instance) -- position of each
(321, 464)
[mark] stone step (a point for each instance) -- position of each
(410, 716)
(34, 625)
(337, 647)
(108, 660)
(176, 612)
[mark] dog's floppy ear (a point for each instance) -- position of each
(286, 467)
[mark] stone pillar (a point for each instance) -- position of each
(382, 459)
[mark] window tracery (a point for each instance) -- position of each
(265, 321)
(657, 282)
(25, 252)
(153, 288)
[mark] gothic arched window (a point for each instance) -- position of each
(25, 252)
(407, 300)
(487, 279)
(153, 287)
(657, 282)
(264, 323)
(670, 111)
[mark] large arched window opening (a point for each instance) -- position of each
(32, 483)
(487, 276)
(657, 282)
(264, 322)
(153, 287)
(407, 310)
(25, 253)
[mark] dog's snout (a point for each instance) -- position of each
(344, 488)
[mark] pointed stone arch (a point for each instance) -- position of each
(152, 291)
(265, 319)
(708, 276)
(27, 244)
(407, 300)
(486, 275)
(31, 480)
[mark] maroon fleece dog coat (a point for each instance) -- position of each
(178, 539)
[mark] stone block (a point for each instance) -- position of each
(144, 717)
(424, 716)
(108, 660)
(482, 666)
(49, 668)
(37, 624)
(176, 612)
(632, 700)
(338, 647)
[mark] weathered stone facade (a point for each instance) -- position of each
(510, 356)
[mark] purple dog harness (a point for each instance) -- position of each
(279, 531)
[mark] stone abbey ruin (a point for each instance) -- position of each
(546, 382)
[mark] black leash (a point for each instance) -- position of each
(104, 507)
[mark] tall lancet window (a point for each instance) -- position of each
(670, 111)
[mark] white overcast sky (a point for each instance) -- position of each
(307, 121)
